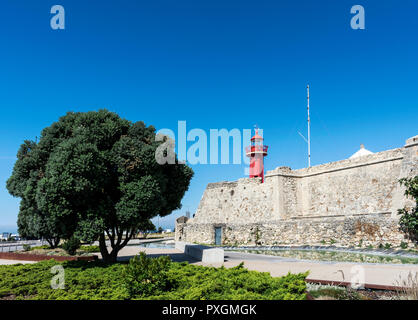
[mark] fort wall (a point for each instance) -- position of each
(346, 202)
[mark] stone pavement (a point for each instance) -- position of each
(4, 261)
(374, 274)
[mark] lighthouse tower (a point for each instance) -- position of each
(256, 151)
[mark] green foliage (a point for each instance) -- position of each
(94, 174)
(146, 227)
(91, 249)
(39, 247)
(71, 245)
(145, 276)
(388, 245)
(83, 281)
(404, 245)
(210, 283)
(26, 247)
(257, 235)
(27, 172)
(168, 280)
(408, 221)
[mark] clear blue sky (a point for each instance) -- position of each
(216, 64)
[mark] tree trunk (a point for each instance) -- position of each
(56, 242)
(53, 242)
(116, 246)
(103, 248)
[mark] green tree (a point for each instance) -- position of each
(27, 172)
(146, 227)
(409, 216)
(97, 177)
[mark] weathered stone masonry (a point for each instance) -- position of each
(348, 202)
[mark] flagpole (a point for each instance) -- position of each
(309, 133)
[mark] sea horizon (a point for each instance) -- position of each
(8, 228)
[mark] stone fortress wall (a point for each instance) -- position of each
(348, 202)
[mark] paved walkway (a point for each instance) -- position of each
(4, 261)
(374, 274)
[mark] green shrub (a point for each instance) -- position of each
(40, 247)
(90, 249)
(71, 245)
(26, 247)
(387, 245)
(408, 222)
(83, 281)
(210, 283)
(404, 245)
(168, 280)
(147, 276)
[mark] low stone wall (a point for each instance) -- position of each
(346, 231)
(201, 253)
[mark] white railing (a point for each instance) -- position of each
(18, 245)
(257, 149)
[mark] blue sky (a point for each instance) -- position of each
(216, 64)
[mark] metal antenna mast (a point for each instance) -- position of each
(308, 141)
(309, 133)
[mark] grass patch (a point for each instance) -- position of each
(90, 249)
(328, 292)
(39, 247)
(84, 250)
(335, 294)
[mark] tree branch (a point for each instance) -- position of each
(128, 237)
(111, 238)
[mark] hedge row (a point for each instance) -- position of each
(145, 278)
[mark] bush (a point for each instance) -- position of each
(209, 283)
(90, 249)
(146, 276)
(169, 280)
(71, 245)
(408, 222)
(404, 245)
(40, 247)
(83, 281)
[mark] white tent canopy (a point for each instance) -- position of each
(362, 152)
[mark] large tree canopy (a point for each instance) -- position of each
(93, 175)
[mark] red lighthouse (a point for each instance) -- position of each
(256, 151)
